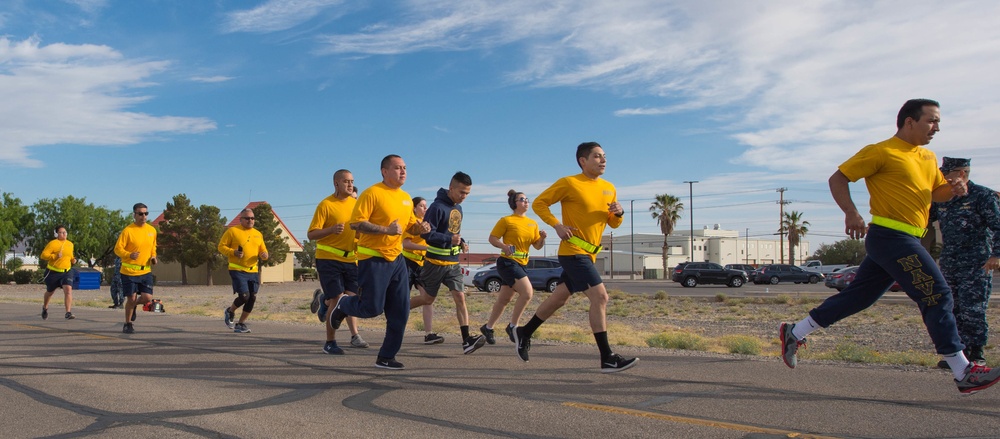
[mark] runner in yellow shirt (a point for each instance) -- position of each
(58, 254)
(243, 246)
(137, 247)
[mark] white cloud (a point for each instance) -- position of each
(211, 79)
(276, 15)
(75, 94)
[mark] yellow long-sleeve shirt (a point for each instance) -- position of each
(136, 239)
(252, 242)
(330, 212)
(51, 255)
(584, 203)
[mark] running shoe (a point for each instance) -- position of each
(433, 338)
(70, 316)
(241, 328)
(522, 343)
(45, 313)
(135, 312)
(358, 342)
(331, 348)
(338, 316)
(228, 317)
(977, 378)
(789, 344)
(314, 305)
(388, 363)
(322, 309)
(488, 333)
(617, 363)
(128, 329)
(473, 343)
(510, 333)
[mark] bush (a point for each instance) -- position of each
(660, 295)
(742, 344)
(678, 340)
(4, 276)
(22, 277)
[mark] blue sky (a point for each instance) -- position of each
(231, 101)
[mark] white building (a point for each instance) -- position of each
(642, 254)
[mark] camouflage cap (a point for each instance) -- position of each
(949, 164)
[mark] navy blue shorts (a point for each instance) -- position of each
(142, 284)
(55, 281)
(245, 283)
(335, 277)
(579, 273)
(510, 271)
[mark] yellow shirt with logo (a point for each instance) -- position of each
(51, 254)
(136, 239)
(330, 212)
(381, 205)
(519, 231)
(252, 242)
(900, 178)
(584, 203)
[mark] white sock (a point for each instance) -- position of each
(804, 327)
(489, 327)
(958, 363)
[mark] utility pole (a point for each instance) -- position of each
(631, 218)
(746, 253)
(781, 221)
(691, 215)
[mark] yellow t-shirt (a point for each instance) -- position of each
(141, 239)
(584, 204)
(900, 178)
(416, 239)
(519, 231)
(330, 212)
(51, 254)
(381, 205)
(252, 242)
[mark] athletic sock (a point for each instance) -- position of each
(465, 332)
(532, 325)
(602, 344)
(958, 363)
(488, 327)
(804, 327)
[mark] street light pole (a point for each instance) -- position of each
(631, 217)
(691, 215)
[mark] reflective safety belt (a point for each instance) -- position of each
(445, 251)
(586, 246)
(520, 255)
(412, 256)
(134, 267)
(57, 270)
(336, 251)
(369, 252)
(235, 266)
(898, 226)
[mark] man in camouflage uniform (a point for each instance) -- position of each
(970, 230)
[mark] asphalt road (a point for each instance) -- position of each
(188, 376)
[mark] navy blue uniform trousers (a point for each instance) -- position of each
(383, 286)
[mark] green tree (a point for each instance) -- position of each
(666, 210)
(93, 230)
(845, 251)
(267, 224)
(210, 227)
(307, 257)
(793, 226)
(14, 221)
(177, 239)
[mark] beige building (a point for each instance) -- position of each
(171, 271)
(642, 254)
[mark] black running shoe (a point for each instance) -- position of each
(488, 333)
(314, 305)
(135, 312)
(70, 316)
(338, 316)
(510, 333)
(45, 313)
(388, 363)
(433, 338)
(128, 329)
(473, 343)
(522, 343)
(617, 363)
(331, 348)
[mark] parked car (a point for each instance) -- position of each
(690, 274)
(840, 279)
(817, 266)
(469, 274)
(750, 270)
(775, 273)
(543, 273)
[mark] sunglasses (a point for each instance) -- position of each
(141, 213)
(522, 200)
(248, 218)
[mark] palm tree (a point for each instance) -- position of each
(666, 210)
(795, 228)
